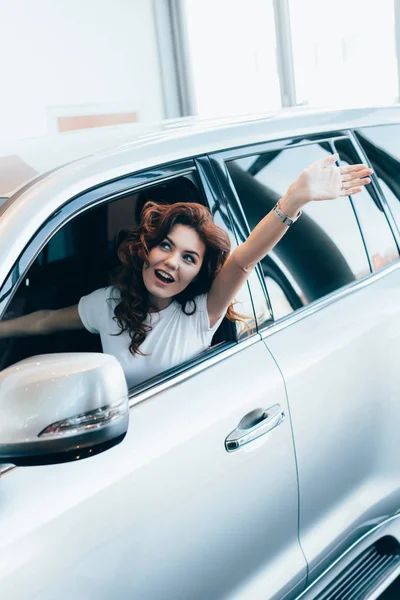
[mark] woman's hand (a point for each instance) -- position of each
(323, 180)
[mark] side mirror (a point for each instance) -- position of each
(61, 407)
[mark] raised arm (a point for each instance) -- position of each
(42, 322)
(320, 181)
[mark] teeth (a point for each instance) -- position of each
(164, 276)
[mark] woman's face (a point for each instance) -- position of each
(173, 264)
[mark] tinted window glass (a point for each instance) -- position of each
(61, 246)
(382, 146)
(378, 236)
(321, 252)
(75, 262)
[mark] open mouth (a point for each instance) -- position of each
(164, 276)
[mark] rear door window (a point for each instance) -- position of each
(322, 252)
(382, 146)
(378, 236)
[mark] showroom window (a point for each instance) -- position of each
(232, 51)
(328, 50)
(322, 252)
(382, 146)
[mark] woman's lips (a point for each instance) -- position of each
(162, 277)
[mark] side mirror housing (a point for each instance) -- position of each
(61, 407)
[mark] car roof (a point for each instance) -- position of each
(157, 142)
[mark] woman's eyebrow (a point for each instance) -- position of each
(186, 251)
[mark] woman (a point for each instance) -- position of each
(177, 280)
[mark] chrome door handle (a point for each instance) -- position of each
(254, 425)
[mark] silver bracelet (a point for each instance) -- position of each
(284, 218)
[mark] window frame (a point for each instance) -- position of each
(375, 191)
(104, 194)
(219, 159)
(395, 227)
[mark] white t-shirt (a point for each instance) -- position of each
(174, 338)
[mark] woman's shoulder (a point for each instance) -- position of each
(96, 309)
(192, 307)
(105, 295)
(193, 311)
(200, 315)
(112, 293)
(201, 302)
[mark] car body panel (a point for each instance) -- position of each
(212, 524)
(339, 366)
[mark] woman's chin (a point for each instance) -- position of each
(160, 291)
(164, 295)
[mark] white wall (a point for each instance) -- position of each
(62, 53)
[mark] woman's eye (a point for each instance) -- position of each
(165, 245)
(189, 257)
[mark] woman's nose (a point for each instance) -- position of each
(172, 261)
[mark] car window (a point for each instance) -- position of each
(79, 259)
(322, 251)
(376, 231)
(382, 146)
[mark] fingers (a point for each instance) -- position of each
(355, 183)
(356, 175)
(325, 162)
(354, 187)
(330, 160)
(355, 169)
(348, 172)
(351, 191)
(354, 178)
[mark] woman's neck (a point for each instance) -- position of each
(158, 304)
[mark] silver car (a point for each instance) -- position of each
(265, 468)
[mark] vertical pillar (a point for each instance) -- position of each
(397, 36)
(173, 50)
(285, 52)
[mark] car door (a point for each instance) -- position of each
(335, 337)
(175, 511)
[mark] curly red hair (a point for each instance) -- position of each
(157, 220)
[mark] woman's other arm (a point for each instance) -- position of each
(42, 322)
(320, 181)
